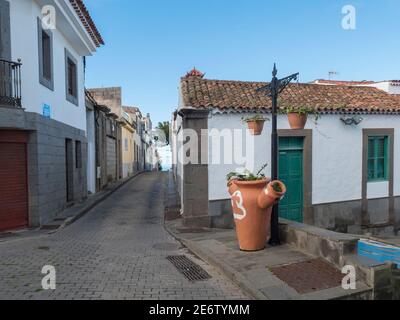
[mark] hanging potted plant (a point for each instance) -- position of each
(255, 124)
(253, 196)
(298, 117)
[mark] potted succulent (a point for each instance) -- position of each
(298, 116)
(253, 196)
(255, 124)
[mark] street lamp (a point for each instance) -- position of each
(273, 90)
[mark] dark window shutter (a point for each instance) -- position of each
(46, 51)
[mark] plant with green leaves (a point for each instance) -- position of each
(303, 110)
(255, 118)
(277, 187)
(247, 175)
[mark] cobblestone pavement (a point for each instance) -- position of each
(117, 251)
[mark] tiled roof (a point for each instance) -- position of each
(241, 96)
(87, 21)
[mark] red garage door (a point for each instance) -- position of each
(13, 180)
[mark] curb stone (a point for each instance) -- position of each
(81, 213)
(225, 269)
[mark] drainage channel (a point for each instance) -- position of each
(188, 268)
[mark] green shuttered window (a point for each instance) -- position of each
(378, 158)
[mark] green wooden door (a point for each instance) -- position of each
(291, 173)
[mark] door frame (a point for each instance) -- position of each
(284, 155)
(69, 168)
(307, 134)
(390, 133)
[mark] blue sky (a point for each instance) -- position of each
(150, 44)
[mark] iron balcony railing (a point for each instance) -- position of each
(10, 83)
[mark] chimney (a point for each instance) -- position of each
(194, 73)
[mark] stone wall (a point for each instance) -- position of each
(221, 214)
(47, 163)
(110, 97)
(195, 176)
(342, 217)
(341, 250)
(108, 135)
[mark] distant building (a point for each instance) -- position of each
(136, 117)
(128, 155)
(165, 157)
(135, 151)
(148, 147)
(104, 137)
(112, 99)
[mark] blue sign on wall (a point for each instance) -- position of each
(46, 110)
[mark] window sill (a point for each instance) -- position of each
(45, 83)
(73, 100)
(378, 181)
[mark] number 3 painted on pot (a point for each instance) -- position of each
(239, 212)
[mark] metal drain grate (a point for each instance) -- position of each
(188, 268)
(309, 276)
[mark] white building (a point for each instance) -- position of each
(165, 156)
(343, 173)
(42, 52)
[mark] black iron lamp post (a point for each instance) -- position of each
(273, 90)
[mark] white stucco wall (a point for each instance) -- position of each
(24, 46)
(387, 86)
(177, 153)
(337, 157)
(91, 150)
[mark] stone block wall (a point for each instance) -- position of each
(110, 97)
(47, 184)
(47, 168)
(344, 217)
(195, 175)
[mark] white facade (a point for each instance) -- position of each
(165, 156)
(392, 87)
(337, 157)
(91, 151)
(389, 86)
(177, 152)
(69, 34)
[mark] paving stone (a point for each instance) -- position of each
(110, 254)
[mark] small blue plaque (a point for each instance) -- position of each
(46, 111)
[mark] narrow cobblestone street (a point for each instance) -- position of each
(117, 251)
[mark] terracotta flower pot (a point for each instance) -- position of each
(252, 221)
(270, 196)
(256, 127)
(297, 121)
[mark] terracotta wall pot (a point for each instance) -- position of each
(256, 127)
(297, 121)
(269, 196)
(252, 221)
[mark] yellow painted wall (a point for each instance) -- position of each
(127, 151)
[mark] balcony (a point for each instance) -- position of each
(10, 84)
